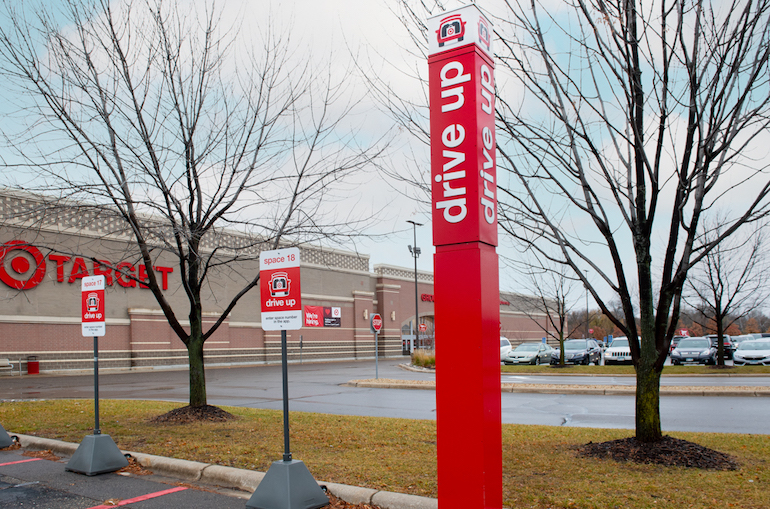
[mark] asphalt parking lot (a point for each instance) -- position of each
(28, 481)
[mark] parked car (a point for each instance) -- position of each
(737, 340)
(694, 350)
(529, 353)
(505, 347)
(675, 341)
(752, 351)
(578, 351)
(729, 348)
(619, 352)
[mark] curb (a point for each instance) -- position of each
(576, 389)
(417, 369)
(229, 477)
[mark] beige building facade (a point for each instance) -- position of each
(45, 252)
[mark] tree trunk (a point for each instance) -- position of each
(648, 403)
(647, 376)
(197, 374)
(720, 340)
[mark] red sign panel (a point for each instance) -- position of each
(463, 165)
(280, 292)
(92, 314)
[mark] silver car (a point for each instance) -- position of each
(529, 353)
(752, 352)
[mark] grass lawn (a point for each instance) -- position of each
(540, 468)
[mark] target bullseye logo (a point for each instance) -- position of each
(23, 274)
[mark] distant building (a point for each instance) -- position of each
(47, 250)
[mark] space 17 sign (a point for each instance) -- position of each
(92, 314)
(280, 292)
(462, 128)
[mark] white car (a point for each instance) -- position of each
(505, 347)
(619, 352)
(752, 352)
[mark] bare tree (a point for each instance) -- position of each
(612, 160)
(729, 283)
(167, 117)
(620, 127)
(554, 297)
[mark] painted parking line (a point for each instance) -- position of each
(20, 461)
(141, 498)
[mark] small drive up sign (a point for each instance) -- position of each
(92, 298)
(280, 289)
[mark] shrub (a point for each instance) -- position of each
(424, 358)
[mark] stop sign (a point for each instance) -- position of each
(375, 323)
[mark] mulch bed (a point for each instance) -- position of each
(188, 414)
(668, 451)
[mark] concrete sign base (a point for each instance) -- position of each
(5, 440)
(288, 485)
(96, 454)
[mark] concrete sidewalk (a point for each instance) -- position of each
(229, 477)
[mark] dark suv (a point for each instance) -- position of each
(579, 351)
(729, 346)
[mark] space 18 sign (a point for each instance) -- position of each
(462, 128)
(280, 292)
(92, 306)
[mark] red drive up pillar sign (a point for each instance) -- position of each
(92, 306)
(280, 289)
(467, 295)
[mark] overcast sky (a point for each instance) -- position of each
(368, 27)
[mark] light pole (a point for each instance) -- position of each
(415, 251)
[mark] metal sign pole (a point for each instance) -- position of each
(97, 431)
(285, 370)
(375, 324)
(97, 453)
(288, 484)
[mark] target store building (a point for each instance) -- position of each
(45, 251)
